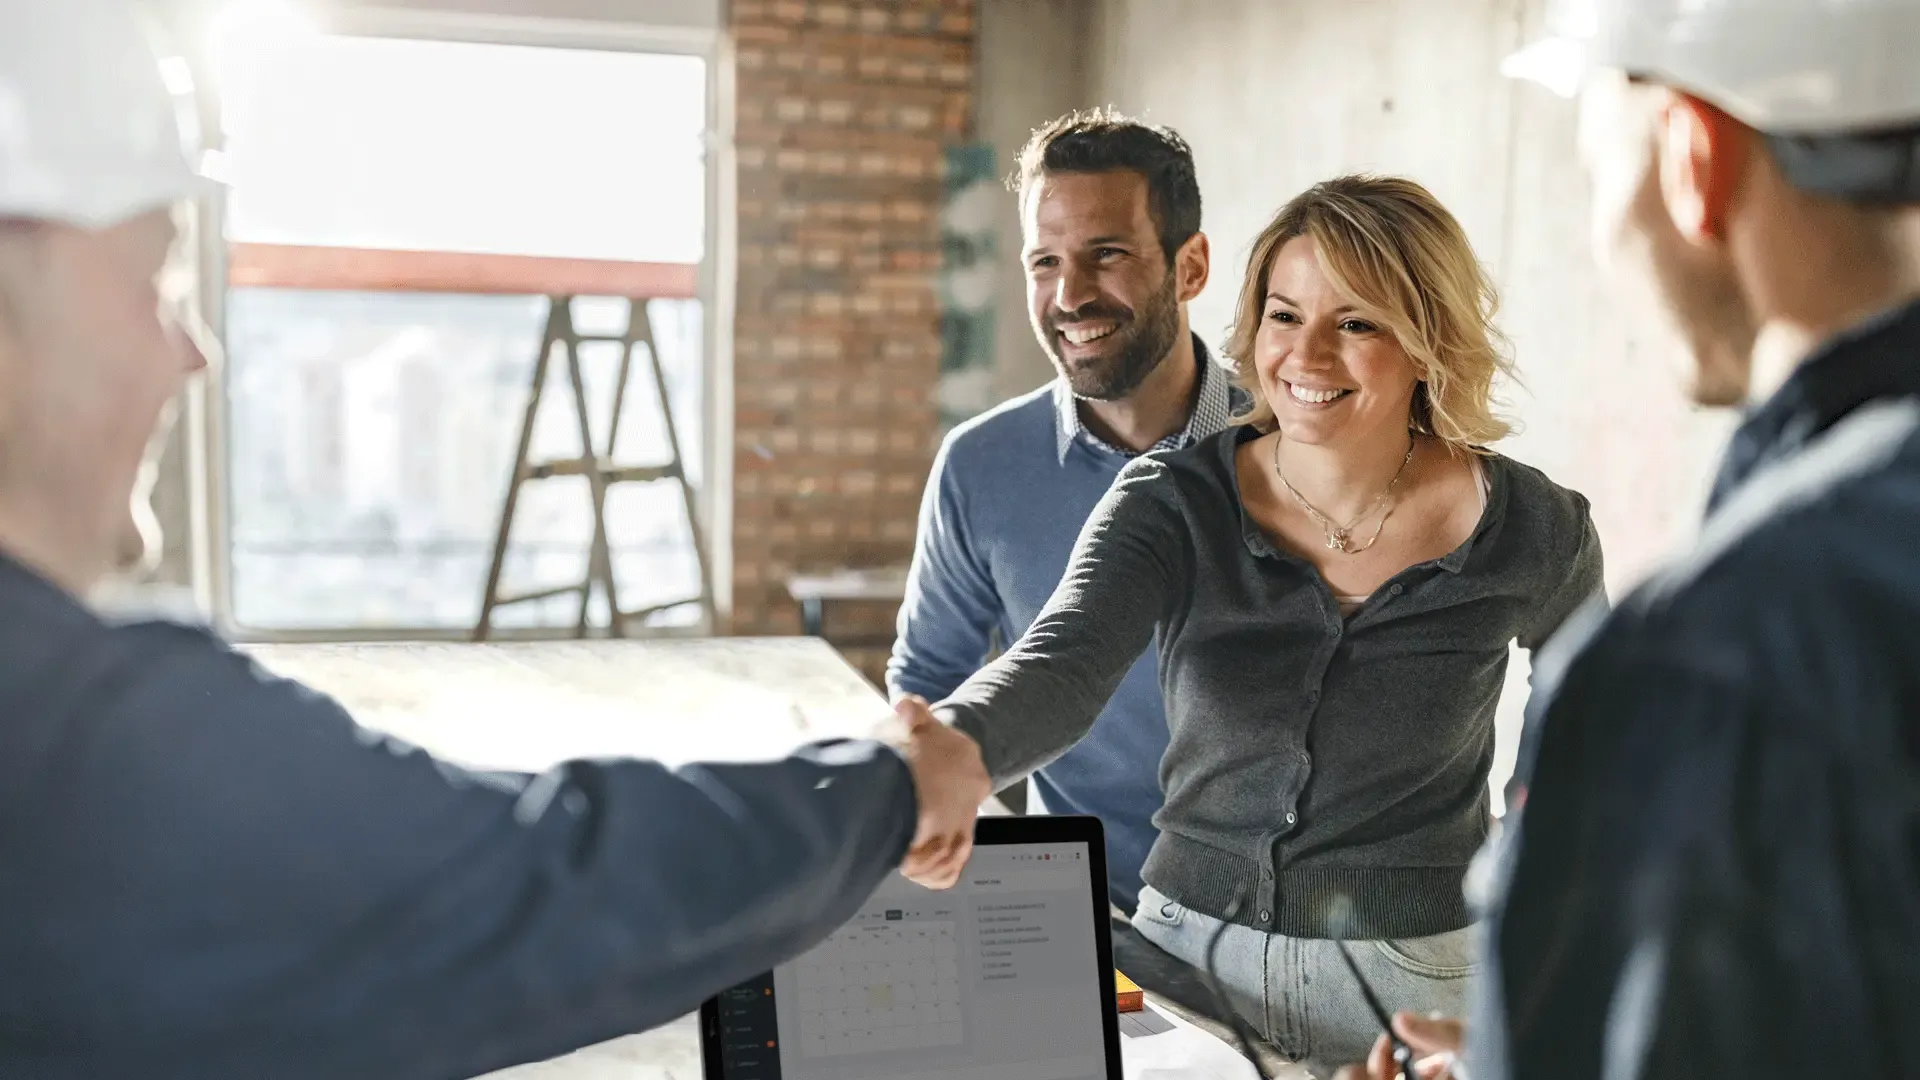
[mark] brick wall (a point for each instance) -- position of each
(843, 112)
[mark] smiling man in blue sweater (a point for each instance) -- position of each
(1112, 249)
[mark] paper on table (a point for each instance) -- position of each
(1185, 1053)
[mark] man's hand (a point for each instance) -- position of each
(1436, 1041)
(952, 782)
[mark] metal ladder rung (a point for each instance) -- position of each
(655, 609)
(546, 470)
(640, 474)
(612, 474)
(613, 338)
(542, 594)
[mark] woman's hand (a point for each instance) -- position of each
(1436, 1040)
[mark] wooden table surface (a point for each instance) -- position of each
(529, 705)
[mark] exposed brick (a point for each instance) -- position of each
(907, 210)
(917, 21)
(749, 34)
(843, 108)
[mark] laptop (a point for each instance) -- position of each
(1006, 976)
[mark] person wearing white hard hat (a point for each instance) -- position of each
(1715, 873)
(209, 873)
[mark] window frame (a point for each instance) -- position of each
(205, 420)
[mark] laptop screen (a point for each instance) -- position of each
(1006, 976)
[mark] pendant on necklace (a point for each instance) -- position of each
(1339, 541)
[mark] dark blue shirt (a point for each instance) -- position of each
(207, 872)
(1717, 868)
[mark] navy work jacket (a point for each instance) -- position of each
(1716, 872)
(207, 872)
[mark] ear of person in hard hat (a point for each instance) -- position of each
(206, 872)
(1715, 871)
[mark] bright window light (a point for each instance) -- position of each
(369, 434)
(451, 146)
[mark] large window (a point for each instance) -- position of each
(396, 208)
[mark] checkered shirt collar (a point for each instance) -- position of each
(1212, 412)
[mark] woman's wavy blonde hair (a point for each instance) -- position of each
(1402, 259)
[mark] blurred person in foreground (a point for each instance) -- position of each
(1717, 869)
(208, 872)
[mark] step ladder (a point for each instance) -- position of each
(597, 465)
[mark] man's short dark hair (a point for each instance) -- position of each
(1103, 140)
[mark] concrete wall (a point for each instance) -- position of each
(1277, 94)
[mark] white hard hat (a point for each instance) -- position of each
(1784, 67)
(90, 134)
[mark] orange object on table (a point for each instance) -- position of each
(1127, 994)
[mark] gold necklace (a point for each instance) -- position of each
(1340, 537)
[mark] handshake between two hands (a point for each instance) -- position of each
(951, 780)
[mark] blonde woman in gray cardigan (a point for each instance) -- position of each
(1332, 587)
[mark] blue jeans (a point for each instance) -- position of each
(1297, 992)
